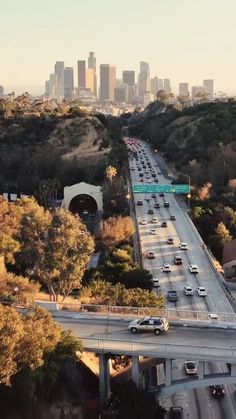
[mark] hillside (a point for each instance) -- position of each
(200, 140)
(68, 147)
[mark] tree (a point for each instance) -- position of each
(111, 172)
(223, 234)
(114, 231)
(9, 223)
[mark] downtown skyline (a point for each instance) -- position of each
(179, 42)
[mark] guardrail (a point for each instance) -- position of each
(157, 348)
(171, 314)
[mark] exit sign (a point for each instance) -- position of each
(149, 188)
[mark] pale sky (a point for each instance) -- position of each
(184, 40)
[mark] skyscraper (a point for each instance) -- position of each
(90, 80)
(183, 89)
(59, 71)
(128, 77)
(1, 91)
(209, 85)
(68, 83)
(92, 65)
(107, 82)
(154, 85)
(53, 85)
(143, 80)
(47, 88)
(160, 84)
(81, 67)
(167, 87)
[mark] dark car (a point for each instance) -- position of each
(176, 412)
(157, 205)
(164, 224)
(161, 194)
(218, 391)
(156, 180)
(178, 260)
(150, 211)
(172, 218)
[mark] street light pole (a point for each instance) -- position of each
(189, 184)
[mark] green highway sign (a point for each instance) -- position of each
(154, 188)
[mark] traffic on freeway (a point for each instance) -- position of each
(174, 253)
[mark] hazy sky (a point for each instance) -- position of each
(184, 40)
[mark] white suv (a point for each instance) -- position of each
(183, 246)
(149, 324)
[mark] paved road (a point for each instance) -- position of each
(197, 404)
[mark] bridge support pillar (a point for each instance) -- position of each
(201, 370)
(233, 370)
(104, 378)
(136, 370)
(168, 371)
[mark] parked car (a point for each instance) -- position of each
(190, 367)
(193, 269)
(149, 324)
(218, 391)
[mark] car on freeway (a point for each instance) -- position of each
(178, 260)
(151, 255)
(170, 240)
(190, 367)
(193, 269)
(164, 224)
(152, 231)
(188, 291)
(172, 218)
(201, 291)
(155, 282)
(183, 246)
(147, 176)
(166, 267)
(143, 222)
(147, 198)
(147, 172)
(161, 194)
(218, 391)
(140, 202)
(156, 180)
(173, 295)
(156, 325)
(166, 204)
(132, 168)
(157, 205)
(141, 180)
(150, 211)
(153, 195)
(149, 181)
(176, 412)
(159, 173)
(154, 220)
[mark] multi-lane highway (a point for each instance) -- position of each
(197, 403)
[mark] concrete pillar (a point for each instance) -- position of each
(135, 370)
(201, 370)
(168, 371)
(104, 378)
(233, 370)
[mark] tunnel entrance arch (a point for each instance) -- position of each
(83, 204)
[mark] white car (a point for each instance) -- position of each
(190, 367)
(144, 222)
(149, 181)
(154, 220)
(188, 290)
(155, 282)
(183, 246)
(132, 168)
(201, 291)
(147, 198)
(156, 325)
(193, 269)
(166, 267)
(153, 231)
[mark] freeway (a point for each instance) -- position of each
(197, 404)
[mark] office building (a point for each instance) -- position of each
(92, 64)
(59, 71)
(154, 86)
(209, 85)
(81, 68)
(1, 91)
(198, 91)
(107, 82)
(166, 86)
(183, 89)
(144, 66)
(90, 80)
(160, 84)
(47, 88)
(68, 83)
(53, 85)
(128, 77)
(121, 93)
